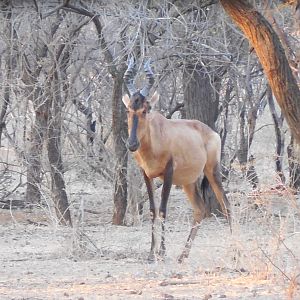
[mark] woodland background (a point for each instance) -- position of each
(63, 125)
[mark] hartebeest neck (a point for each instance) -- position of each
(154, 142)
(145, 141)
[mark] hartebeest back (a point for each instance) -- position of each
(177, 151)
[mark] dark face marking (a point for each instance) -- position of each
(137, 101)
(133, 142)
(137, 110)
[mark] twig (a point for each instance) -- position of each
(165, 283)
(36, 223)
(269, 259)
(92, 211)
(51, 12)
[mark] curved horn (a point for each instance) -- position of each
(129, 76)
(150, 78)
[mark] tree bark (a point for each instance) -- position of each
(60, 197)
(119, 138)
(10, 57)
(278, 122)
(272, 57)
(201, 100)
(41, 104)
(293, 151)
(33, 158)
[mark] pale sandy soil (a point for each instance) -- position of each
(260, 260)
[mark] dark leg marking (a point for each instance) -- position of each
(168, 179)
(150, 189)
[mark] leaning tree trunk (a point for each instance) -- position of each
(201, 102)
(272, 57)
(119, 138)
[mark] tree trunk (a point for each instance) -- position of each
(41, 104)
(272, 57)
(119, 137)
(201, 103)
(136, 200)
(293, 151)
(33, 158)
(118, 119)
(278, 122)
(54, 148)
(10, 57)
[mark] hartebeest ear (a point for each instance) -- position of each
(154, 99)
(126, 100)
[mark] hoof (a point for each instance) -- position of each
(157, 256)
(182, 257)
(151, 258)
(162, 253)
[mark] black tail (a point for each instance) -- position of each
(205, 192)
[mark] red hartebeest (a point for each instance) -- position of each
(177, 151)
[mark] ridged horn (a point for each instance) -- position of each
(130, 75)
(150, 78)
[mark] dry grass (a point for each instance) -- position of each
(96, 260)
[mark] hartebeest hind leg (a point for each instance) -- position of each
(197, 202)
(213, 174)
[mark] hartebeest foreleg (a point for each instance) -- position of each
(168, 176)
(165, 193)
(150, 190)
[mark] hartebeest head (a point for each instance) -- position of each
(137, 105)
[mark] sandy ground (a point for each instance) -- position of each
(95, 260)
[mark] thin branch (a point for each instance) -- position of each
(95, 18)
(272, 263)
(53, 11)
(178, 106)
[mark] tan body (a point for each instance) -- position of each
(195, 146)
(179, 152)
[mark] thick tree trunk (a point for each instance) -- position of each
(201, 103)
(119, 138)
(54, 148)
(34, 167)
(272, 57)
(41, 104)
